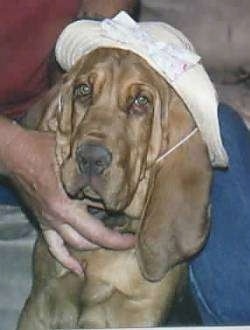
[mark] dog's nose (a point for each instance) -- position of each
(93, 159)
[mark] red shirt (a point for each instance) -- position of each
(28, 32)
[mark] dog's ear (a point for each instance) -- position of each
(64, 119)
(53, 113)
(65, 112)
(43, 114)
(175, 221)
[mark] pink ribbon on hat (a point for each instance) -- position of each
(173, 59)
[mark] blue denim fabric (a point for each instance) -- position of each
(8, 195)
(220, 274)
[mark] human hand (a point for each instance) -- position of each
(31, 166)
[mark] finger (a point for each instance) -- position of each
(74, 239)
(94, 230)
(60, 252)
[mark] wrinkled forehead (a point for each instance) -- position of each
(120, 64)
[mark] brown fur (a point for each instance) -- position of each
(164, 203)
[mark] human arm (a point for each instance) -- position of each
(27, 158)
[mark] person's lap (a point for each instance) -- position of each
(219, 275)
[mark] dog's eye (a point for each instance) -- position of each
(141, 100)
(82, 90)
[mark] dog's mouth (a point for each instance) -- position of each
(89, 193)
(115, 220)
(109, 188)
(81, 188)
(93, 190)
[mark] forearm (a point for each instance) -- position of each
(11, 134)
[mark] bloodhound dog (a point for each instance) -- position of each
(114, 116)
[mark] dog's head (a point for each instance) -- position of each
(114, 116)
(109, 101)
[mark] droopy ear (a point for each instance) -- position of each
(57, 112)
(42, 115)
(64, 120)
(53, 113)
(175, 222)
(65, 113)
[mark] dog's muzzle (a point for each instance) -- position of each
(92, 159)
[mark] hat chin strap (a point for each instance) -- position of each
(185, 139)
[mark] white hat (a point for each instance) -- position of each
(166, 50)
